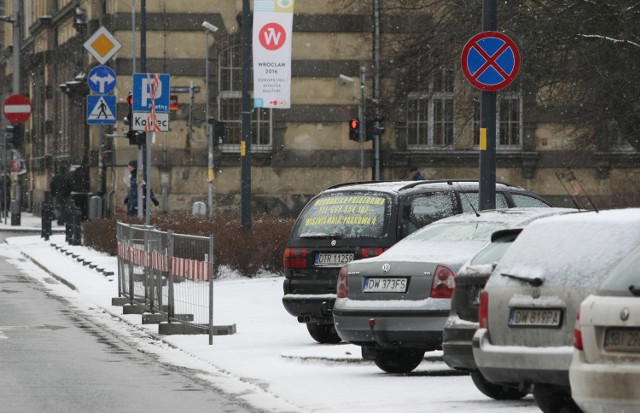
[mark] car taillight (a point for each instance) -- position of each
(370, 252)
(295, 258)
(342, 288)
(444, 282)
(483, 311)
(577, 333)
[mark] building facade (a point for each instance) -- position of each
(295, 153)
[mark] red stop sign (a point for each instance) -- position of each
(17, 108)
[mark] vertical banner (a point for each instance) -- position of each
(272, 33)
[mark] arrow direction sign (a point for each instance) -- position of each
(102, 80)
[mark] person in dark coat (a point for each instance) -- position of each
(132, 198)
(415, 174)
(60, 190)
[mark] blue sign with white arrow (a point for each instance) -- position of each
(102, 80)
(151, 90)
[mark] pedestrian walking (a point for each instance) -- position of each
(132, 198)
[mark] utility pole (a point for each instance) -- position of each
(17, 45)
(209, 29)
(144, 157)
(363, 119)
(245, 144)
(488, 122)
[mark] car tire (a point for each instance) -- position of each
(552, 399)
(399, 361)
(323, 333)
(496, 391)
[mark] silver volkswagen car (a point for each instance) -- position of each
(395, 305)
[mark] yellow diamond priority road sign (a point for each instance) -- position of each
(102, 45)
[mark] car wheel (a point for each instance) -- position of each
(496, 391)
(323, 333)
(552, 399)
(399, 361)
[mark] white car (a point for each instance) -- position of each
(605, 370)
(528, 307)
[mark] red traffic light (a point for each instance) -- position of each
(130, 99)
(354, 129)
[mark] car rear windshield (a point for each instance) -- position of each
(345, 215)
(494, 251)
(624, 279)
(569, 252)
(457, 231)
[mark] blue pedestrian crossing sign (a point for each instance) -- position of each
(102, 80)
(101, 110)
(151, 90)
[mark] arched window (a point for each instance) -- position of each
(230, 106)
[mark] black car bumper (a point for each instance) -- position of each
(457, 350)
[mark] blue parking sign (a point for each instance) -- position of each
(151, 87)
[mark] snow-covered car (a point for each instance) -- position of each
(605, 370)
(463, 318)
(529, 305)
(395, 305)
(353, 221)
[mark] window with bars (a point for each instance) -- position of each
(430, 114)
(230, 106)
(509, 127)
(617, 140)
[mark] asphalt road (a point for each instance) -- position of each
(54, 360)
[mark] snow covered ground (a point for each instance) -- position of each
(271, 362)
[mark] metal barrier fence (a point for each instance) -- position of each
(167, 273)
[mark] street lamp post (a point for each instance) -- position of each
(209, 28)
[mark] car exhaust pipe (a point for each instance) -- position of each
(304, 319)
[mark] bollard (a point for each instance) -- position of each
(15, 213)
(47, 217)
(76, 226)
(95, 207)
(67, 224)
(199, 208)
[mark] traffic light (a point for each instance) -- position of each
(135, 137)
(14, 135)
(354, 130)
(370, 131)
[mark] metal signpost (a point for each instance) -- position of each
(16, 109)
(490, 62)
(102, 80)
(151, 99)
